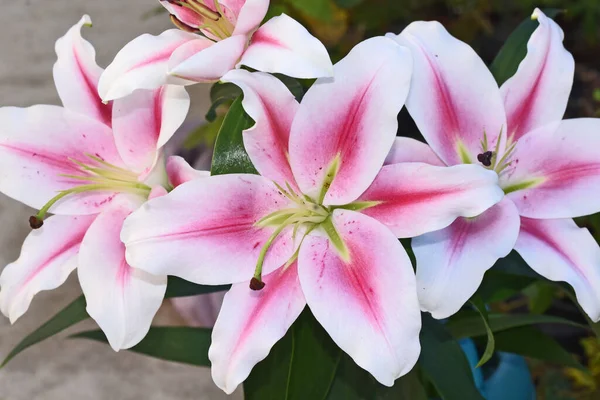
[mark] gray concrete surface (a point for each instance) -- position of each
(60, 368)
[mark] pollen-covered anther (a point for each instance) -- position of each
(35, 222)
(485, 158)
(256, 284)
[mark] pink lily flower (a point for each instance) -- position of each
(549, 168)
(231, 36)
(310, 226)
(91, 165)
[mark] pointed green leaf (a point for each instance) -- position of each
(178, 287)
(444, 363)
(180, 344)
(221, 93)
(531, 342)
(293, 85)
(75, 313)
(470, 325)
(489, 347)
(498, 285)
(515, 48)
(69, 316)
(230, 156)
(300, 366)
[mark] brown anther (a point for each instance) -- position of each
(256, 284)
(35, 222)
(485, 158)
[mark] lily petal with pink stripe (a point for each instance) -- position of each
(352, 269)
(250, 323)
(548, 168)
(232, 37)
(121, 299)
(47, 258)
(91, 164)
(76, 74)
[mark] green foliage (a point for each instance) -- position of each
(184, 345)
(76, 312)
(230, 156)
(68, 316)
(300, 366)
(489, 347)
(444, 363)
(531, 342)
(319, 9)
(470, 324)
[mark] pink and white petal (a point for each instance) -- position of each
(157, 191)
(453, 98)
(179, 171)
(538, 92)
(121, 299)
(205, 230)
(561, 251)
(184, 14)
(143, 64)
(285, 46)
(272, 107)
(250, 323)
(555, 170)
(76, 74)
(351, 120)
(206, 62)
(367, 303)
(451, 262)
(250, 14)
(145, 120)
(415, 198)
(407, 149)
(37, 145)
(48, 256)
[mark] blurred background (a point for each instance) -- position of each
(29, 28)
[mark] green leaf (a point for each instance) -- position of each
(293, 85)
(468, 325)
(180, 344)
(221, 93)
(568, 290)
(230, 156)
(354, 383)
(348, 3)
(498, 285)
(300, 366)
(178, 287)
(444, 363)
(531, 342)
(489, 347)
(69, 316)
(515, 48)
(541, 295)
(76, 312)
(319, 9)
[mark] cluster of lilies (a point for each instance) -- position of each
(319, 225)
